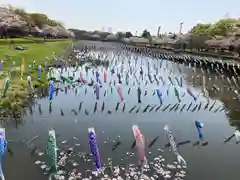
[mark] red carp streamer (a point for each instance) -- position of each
(82, 80)
(119, 90)
(140, 144)
(105, 76)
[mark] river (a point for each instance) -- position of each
(217, 160)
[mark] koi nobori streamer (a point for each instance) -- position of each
(199, 127)
(51, 73)
(119, 90)
(82, 80)
(33, 64)
(97, 88)
(46, 66)
(65, 66)
(238, 95)
(181, 81)
(105, 77)
(51, 91)
(29, 80)
(51, 152)
(119, 78)
(92, 140)
(97, 76)
(173, 145)
(3, 145)
(177, 94)
(140, 144)
(237, 135)
(12, 66)
(159, 94)
(6, 86)
(39, 72)
(29, 69)
(112, 71)
(139, 92)
(66, 80)
(100, 82)
(191, 94)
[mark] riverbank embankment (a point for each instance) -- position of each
(217, 55)
(16, 59)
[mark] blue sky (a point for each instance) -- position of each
(131, 15)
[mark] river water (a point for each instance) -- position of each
(217, 160)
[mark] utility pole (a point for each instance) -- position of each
(180, 28)
(158, 31)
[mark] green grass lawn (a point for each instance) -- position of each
(18, 91)
(34, 52)
(27, 40)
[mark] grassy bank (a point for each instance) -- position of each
(27, 40)
(33, 52)
(38, 52)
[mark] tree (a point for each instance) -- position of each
(197, 41)
(222, 27)
(80, 34)
(3, 32)
(42, 19)
(60, 23)
(146, 34)
(39, 19)
(128, 34)
(200, 29)
(9, 7)
(172, 35)
(51, 22)
(120, 35)
(20, 11)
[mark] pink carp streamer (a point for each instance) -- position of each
(119, 90)
(140, 144)
(82, 80)
(105, 76)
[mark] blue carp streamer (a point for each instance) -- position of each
(51, 91)
(6, 86)
(94, 149)
(159, 94)
(3, 145)
(39, 72)
(97, 76)
(199, 127)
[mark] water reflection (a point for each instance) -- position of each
(69, 120)
(219, 87)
